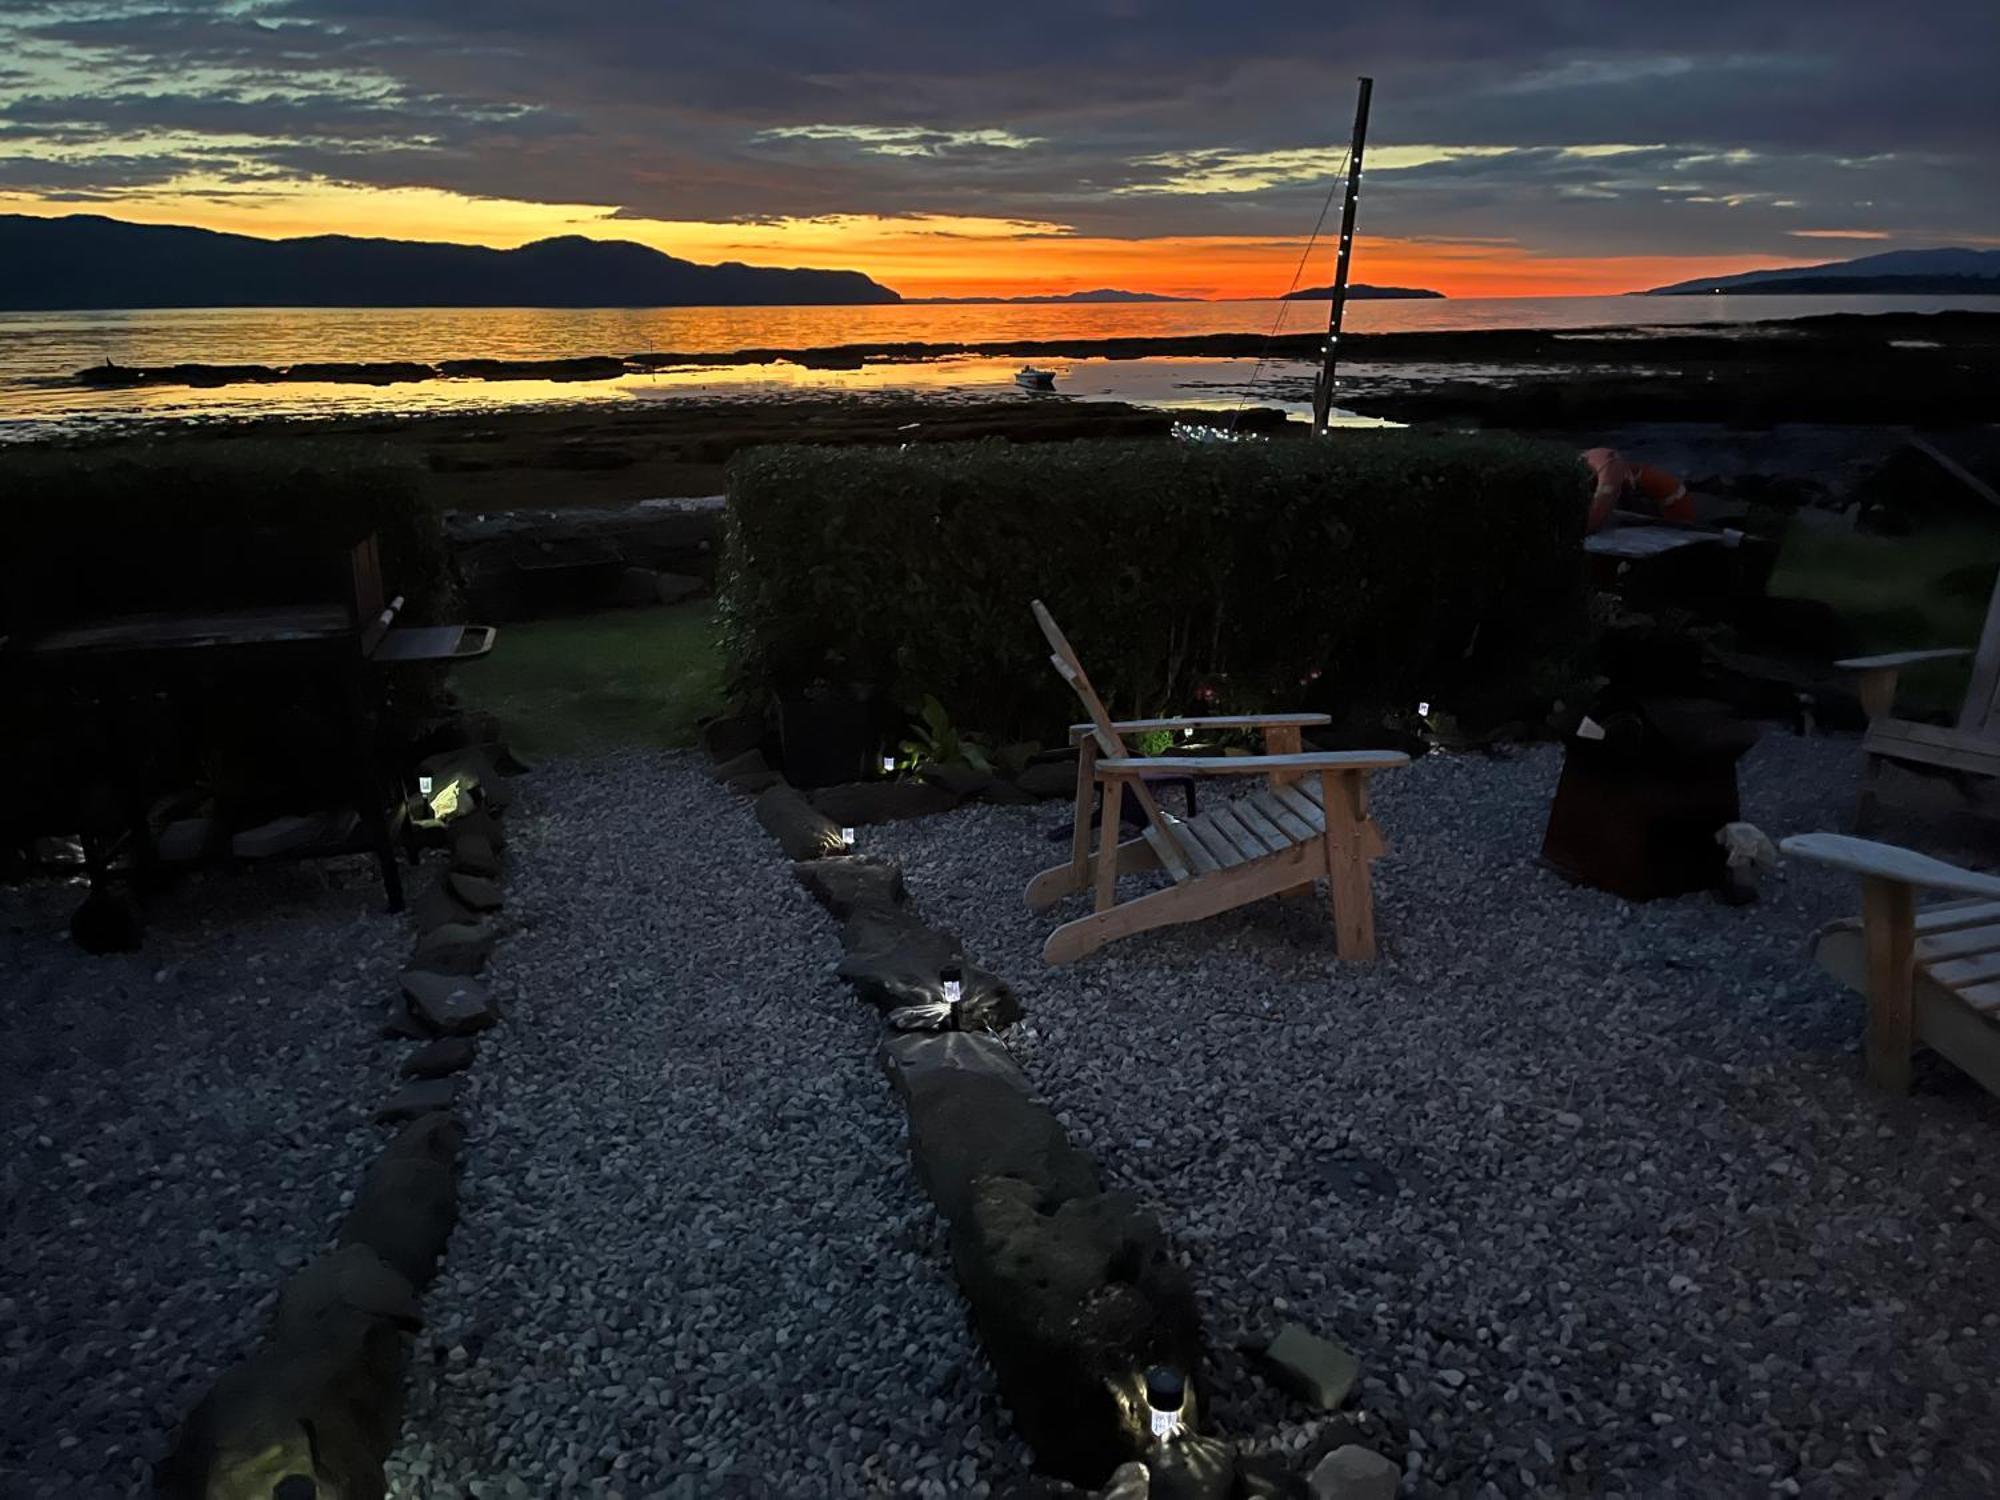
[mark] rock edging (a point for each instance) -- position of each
(316, 1407)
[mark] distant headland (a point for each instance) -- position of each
(88, 261)
(1916, 272)
(1098, 294)
(1359, 289)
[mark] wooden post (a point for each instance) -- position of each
(1347, 865)
(1086, 789)
(1888, 932)
(1108, 820)
(1282, 739)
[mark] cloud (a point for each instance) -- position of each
(1703, 127)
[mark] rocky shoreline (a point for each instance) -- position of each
(1834, 367)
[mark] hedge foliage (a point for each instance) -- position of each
(1371, 568)
(137, 524)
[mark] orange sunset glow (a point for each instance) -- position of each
(924, 255)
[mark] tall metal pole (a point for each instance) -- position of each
(1323, 386)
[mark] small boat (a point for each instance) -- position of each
(1030, 379)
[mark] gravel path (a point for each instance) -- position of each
(1594, 1189)
(691, 1258)
(181, 1126)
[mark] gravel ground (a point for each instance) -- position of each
(691, 1259)
(1594, 1189)
(181, 1127)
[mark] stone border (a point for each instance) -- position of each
(316, 1408)
(1072, 1290)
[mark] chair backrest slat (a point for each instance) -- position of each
(1981, 713)
(1108, 740)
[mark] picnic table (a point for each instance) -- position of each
(110, 669)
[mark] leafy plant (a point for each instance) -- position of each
(939, 742)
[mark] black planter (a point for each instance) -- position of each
(826, 742)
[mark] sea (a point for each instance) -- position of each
(41, 352)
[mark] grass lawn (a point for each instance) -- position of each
(624, 677)
(1904, 593)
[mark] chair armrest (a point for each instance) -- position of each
(1901, 659)
(1256, 765)
(1888, 862)
(1877, 686)
(1080, 732)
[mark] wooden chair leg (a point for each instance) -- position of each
(1888, 933)
(1107, 843)
(1345, 798)
(1086, 792)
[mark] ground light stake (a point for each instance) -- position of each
(1166, 1395)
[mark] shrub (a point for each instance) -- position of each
(100, 526)
(1376, 567)
(135, 526)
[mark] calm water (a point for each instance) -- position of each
(38, 351)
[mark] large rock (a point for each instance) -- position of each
(847, 883)
(449, 1004)
(476, 891)
(473, 853)
(730, 735)
(801, 831)
(1073, 1302)
(1354, 1473)
(1318, 1371)
(439, 1059)
(858, 802)
(895, 961)
(438, 906)
(968, 1126)
(926, 1063)
(1049, 779)
(408, 1202)
(455, 948)
(319, 1401)
(418, 1097)
(1194, 1468)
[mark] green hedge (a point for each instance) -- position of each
(133, 526)
(147, 524)
(1370, 568)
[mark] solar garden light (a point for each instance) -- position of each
(424, 784)
(951, 981)
(847, 837)
(888, 765)
(1166, 1395)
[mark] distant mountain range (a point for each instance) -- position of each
(1101, 294)
(88, 261)
(1891, 271)
(1358, 289)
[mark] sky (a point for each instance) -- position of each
(1541, 147)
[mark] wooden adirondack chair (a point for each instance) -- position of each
(1310, 820)
(1931, 974)
(1969, 748)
